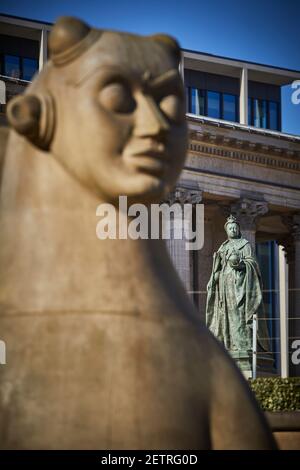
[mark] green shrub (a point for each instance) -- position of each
(276, 394)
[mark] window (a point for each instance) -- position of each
(260, 113)
(12, 67)
(263, 114)
(273, 116)
(30, 66)
(197, 101)
(267, 257)
(19, 67)
(250, 118)
(213, 104)
(229, 107)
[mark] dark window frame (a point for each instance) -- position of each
(278, 103)
(4, 62)
(221, 95)
(21, 59)
(22, 65)
(220, 103)
(237, 108)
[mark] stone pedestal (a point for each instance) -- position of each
(265, 363)
(244, 361)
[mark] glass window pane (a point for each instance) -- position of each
(12, 66)
(250, 123)
(197, 101)
(260, 113)
(273, 115)
(229, 107)
(213, 104)
(29, 68)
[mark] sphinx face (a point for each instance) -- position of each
(121, 119)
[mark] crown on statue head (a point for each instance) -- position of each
(231, 220)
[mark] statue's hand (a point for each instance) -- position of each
(234, 259)
(237, 264)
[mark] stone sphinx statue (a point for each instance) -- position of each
(234, 296)
(104, 348)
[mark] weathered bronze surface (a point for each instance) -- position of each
(235, 295)
(104, 348)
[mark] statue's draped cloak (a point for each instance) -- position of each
(235, 298)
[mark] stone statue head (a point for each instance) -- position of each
(110, 108)
(232, 227)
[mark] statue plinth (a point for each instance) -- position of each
(264, 364)
(244, 361)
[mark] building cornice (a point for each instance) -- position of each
(256, 158)
(221, 124)
(281, 154)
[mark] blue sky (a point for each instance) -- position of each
(265, 31)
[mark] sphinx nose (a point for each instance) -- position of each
(150, 121)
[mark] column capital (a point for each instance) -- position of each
(288, 247)
(246, 211)
(184, 196)
(292, 222)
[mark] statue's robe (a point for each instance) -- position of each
(235, 297)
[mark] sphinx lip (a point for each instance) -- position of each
(151, 159)
(156, 150)
(149, 163)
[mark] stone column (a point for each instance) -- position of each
(292, 249)
(183, 259)
(284, 312)
(247, 211)
(43, 56)
(244, 96)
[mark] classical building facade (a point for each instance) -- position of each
(239, 161)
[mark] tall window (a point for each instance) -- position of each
(29, 68)
(213, 104)
(19, 67)
(229, 107)
(273, 115)
(197, 101)
(263, 113)
(250, 114)
(267, 257)
(12, 66)
(260, 113)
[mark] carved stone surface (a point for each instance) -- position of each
(104, 348)
(288, 247)
(293, 224)
(237, 145)
(184, 196)
(247, 211)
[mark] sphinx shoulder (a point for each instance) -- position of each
(4, 131)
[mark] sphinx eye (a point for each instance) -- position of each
(117, 97)
(173, 107)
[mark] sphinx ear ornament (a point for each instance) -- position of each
(33, 116)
